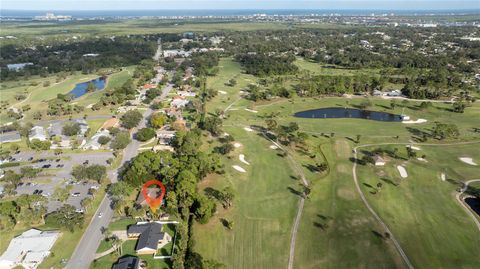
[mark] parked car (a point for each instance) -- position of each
(75, 194)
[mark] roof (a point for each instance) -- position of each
(150, 234)
(378, 158)
(34, 243)
(129, 262)
(10, 137)
(152, 192)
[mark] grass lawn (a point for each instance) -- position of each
(422, 211)
(336, 229)
(104, 246)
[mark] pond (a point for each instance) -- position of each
(81, 88)
(340, 112)
(474, 204)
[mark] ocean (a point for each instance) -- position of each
(223, 12)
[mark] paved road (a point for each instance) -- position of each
(85, 251)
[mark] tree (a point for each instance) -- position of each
(158, 120)
(379, 185)
(121, 140)
(445, 130)
(14, 147)
(459, 106)
(358, 138)
(71, 128)
(271, 124)
(145, 134)
(65, 217)
(131, 119)
(103, 140)
(38, 145)
(37, 115)
(62, 194)
(203, 208)
(29, 171)
(93, 172)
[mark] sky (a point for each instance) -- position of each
(235, 4)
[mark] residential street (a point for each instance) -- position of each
(85, 251)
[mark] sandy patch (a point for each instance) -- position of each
(248, 129)
(443, 176)
(226, 134)
(468, 160)
(251, 110)
(233, 109)
(237, 145)
(90, 105)
(413, 147)
(222, 92)
(273, 147)
(414, 121)
(239, 168)
(402, 171)
(422, 160)
(242, 159)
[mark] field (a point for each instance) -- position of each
(336, 229)
(38, 95)
(422, 211)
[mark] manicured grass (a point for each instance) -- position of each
(422, 211)
(336, 229)
(121, 224)
(104, 246)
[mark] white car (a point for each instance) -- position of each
(100, 215)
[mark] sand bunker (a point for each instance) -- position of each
(239, 169)
(443, 177)
(242, 159)
(222, 92)
(402, 171)
(273, 147)
(413, 147)
(237, 145)
(414, 121)
(248, 129)
(422, 160)
(251, 110)
(468, 160)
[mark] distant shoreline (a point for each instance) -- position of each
(235, 12)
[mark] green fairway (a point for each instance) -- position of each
(336, 229)
(422, 211)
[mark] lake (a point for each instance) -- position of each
(474, 204)
(340, 112)
(81, 88)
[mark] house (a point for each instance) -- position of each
(165, 136)
(149, 86)
(379, 161)
(179, 102)
(152, 192)
(377, 93)
(149, 237)
(83, 126)
(93, 142)
(37, 132)
(10, 137)
(394, 93)
(129, 262)
(17, 67)
(28, 249)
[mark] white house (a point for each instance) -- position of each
(37, 132)
(93, 142)
(28, 249)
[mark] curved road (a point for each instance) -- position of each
(469, 211)
(369, 207)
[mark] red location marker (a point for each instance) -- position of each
(153, 202)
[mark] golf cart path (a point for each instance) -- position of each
(369, 207)
(467, 209)
(301, 204)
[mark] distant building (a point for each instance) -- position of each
(17, 67)
(28, 249)
(37, 132)
(52, 17)
(10, 137)
(93, 142)
(129, 262)
(179, 102)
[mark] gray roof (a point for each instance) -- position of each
(150, 234)
(129, 262)
(10, 137)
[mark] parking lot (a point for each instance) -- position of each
(56, 173)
